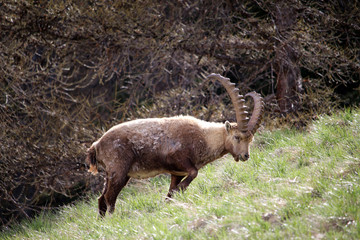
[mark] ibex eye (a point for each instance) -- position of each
(237, 138)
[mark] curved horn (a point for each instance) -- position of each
(237, 100)
(256, 116)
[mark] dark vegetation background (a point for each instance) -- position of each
(71, 69)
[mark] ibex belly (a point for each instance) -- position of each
(140, 172)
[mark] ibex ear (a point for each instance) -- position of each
(228, 126)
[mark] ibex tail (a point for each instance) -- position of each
(91, 160)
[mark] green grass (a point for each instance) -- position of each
(297, 185)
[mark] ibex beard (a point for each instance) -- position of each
(179, 146)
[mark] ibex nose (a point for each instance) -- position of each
(246, 156)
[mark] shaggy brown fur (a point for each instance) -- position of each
(145, 148)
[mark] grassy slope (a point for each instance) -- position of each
(296, 185)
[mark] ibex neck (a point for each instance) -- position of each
(215, 137)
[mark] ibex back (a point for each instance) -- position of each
(179, 146)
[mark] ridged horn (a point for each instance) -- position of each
(236, 99)
(258, 111)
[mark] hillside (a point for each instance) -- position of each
(296, 185)
(69, 70)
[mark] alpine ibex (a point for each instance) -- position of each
(179, 146)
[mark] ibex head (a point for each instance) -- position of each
(240, 134)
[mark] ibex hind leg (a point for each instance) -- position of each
(101, 199)
(116, 182)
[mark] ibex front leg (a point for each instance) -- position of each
(192, 173)
(175, 180)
